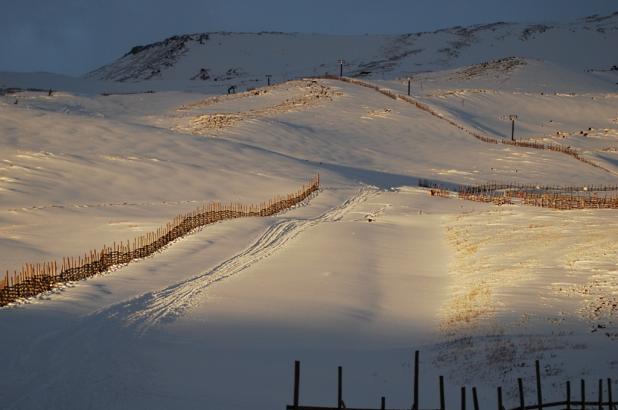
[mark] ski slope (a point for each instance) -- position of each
(153, 308)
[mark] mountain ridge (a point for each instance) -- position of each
(245, 58)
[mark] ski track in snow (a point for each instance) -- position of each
(150, 309)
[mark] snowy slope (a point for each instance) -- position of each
(553, 104)
(245, 58)
(232, 306)
(359, 276)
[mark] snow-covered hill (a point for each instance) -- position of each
(481, 289)
(245, 58)
(363, 273)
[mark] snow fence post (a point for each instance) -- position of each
(520, 385)
(539, 394)
(463, 398)
(415, 405)
(442, 405)
(500, 406)
(296, 382)
(475, 399)
(339, 387)
(568, 393)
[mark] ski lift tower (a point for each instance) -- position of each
(341, 61)
(512, 117)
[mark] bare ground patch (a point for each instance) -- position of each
(295, 96)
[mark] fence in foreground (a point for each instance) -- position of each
(604, 399)
(40, 277)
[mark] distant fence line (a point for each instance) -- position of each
(556, 197)
(485, 138)
(561, 201)
(40, 277)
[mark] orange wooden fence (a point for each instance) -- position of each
(556, 197)
(40, 277)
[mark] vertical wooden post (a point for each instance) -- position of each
(383, 403)
(610, 399)
(296, 382)
(520, 385)
(339, 387)
(539, 393)
(512, 129)
(415, 402)
(475, 399)
(442, 402)
(583, 393)
(568, 393)
(500, 404)
(463, 398)
(600, 394)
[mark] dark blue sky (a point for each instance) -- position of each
(75, 36)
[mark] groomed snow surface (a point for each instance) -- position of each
(361, 275)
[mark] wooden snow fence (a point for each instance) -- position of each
(441, 192)
(40, 277)
(562, 201)
(555, 197)
(485, 138)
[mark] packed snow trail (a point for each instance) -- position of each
(152, 308)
